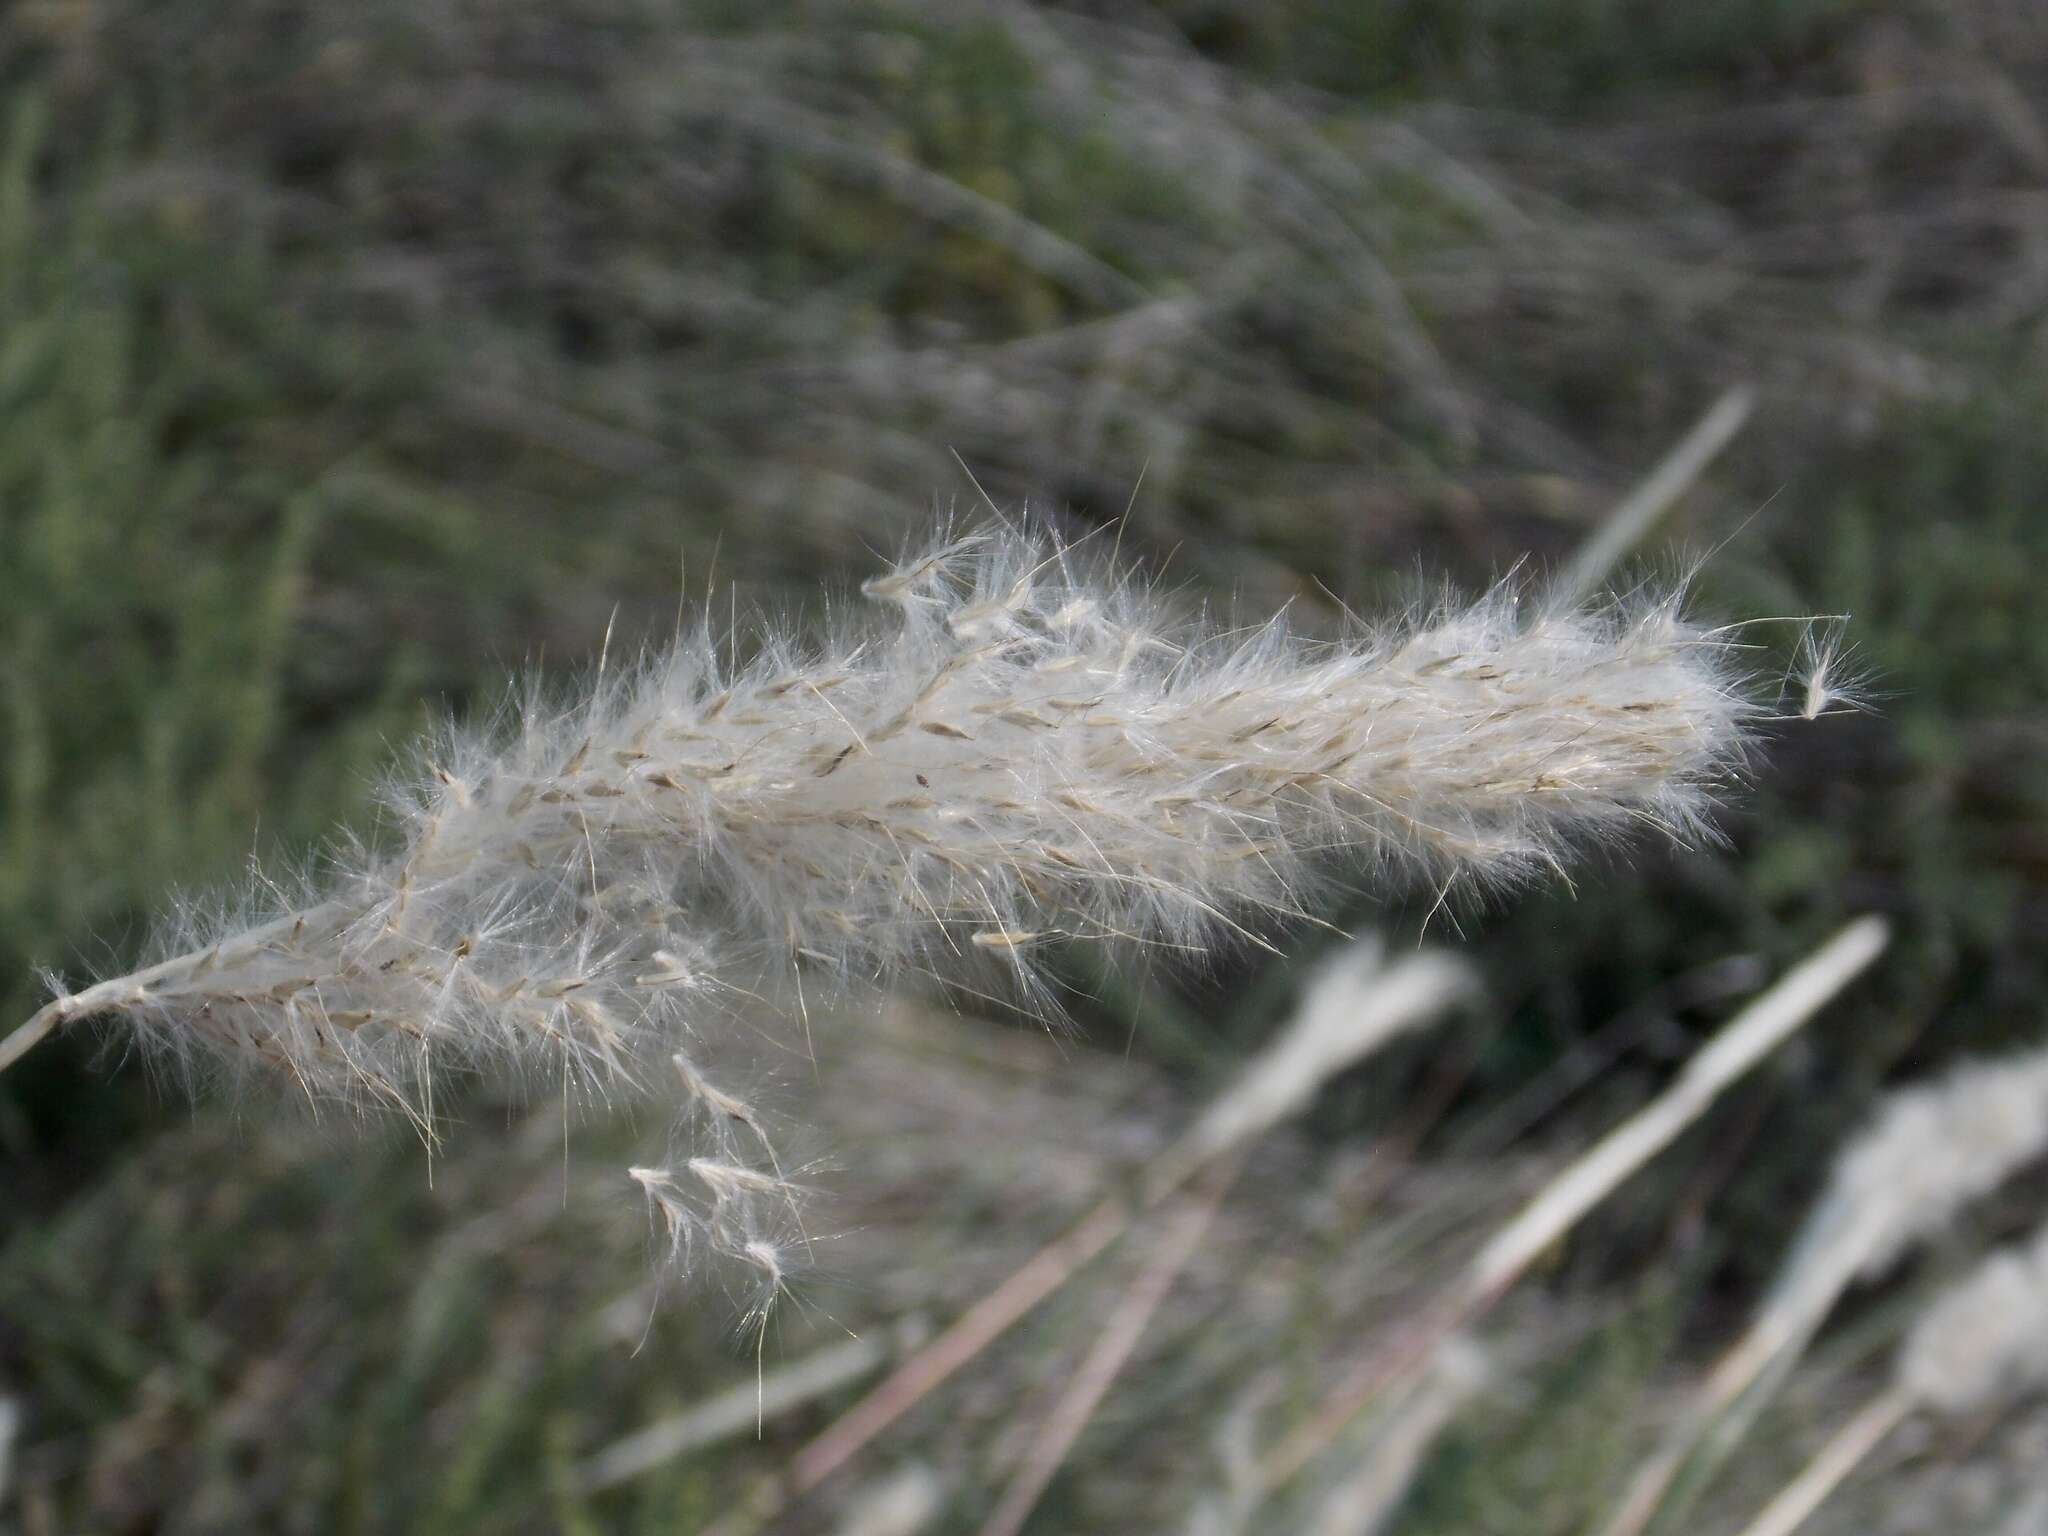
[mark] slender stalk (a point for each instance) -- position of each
(1756, 1031)
(1112, 1349)
(22, 1040)
(1834, 1462)
(125, 991)
(739, 1410)
(1638, 512)
(972, 1332)
(1362, 1501)
(1747, 1039)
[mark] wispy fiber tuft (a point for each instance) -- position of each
(1012, 745)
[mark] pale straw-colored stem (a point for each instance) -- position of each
(1638, 512)
(1647, 1489)
(1831, 1465)
(972, 1332)
(1361, 1502)
(1322, 1040)
(1756, 1032)
(119, 991)
(1112, 1349)
(740, 1409)
(1746, 1040)
(1771, 1341)
(22, 1040)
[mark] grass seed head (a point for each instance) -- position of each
(1012, 743)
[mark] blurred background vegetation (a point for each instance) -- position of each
(352, 357)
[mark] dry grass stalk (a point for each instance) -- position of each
(1757, 1031)
(743, 1408)
(1361, 1502)
(1112, 1349)
(1582, 1185)
(1929, 1151)
(10, 1424)
(1834, 1462)
(1350, 1009)
(1639, 511)
(1984, 1340)
(971, 1333)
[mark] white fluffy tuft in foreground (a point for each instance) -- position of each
(1013, 744)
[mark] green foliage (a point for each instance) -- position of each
(144, 613)
(1546, 55)
(1549, 1464)
(299, 1333)
(184, 681)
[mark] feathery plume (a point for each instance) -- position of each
(1831, 679)
(1032, 748)
(1986, 1337)
(1015, 745)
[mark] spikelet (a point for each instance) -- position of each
(1830, 679)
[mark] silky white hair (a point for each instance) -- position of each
(1010, 744)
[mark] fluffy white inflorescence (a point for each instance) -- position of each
(1011, 747)
(1930, 1151)
(1985, 1337)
